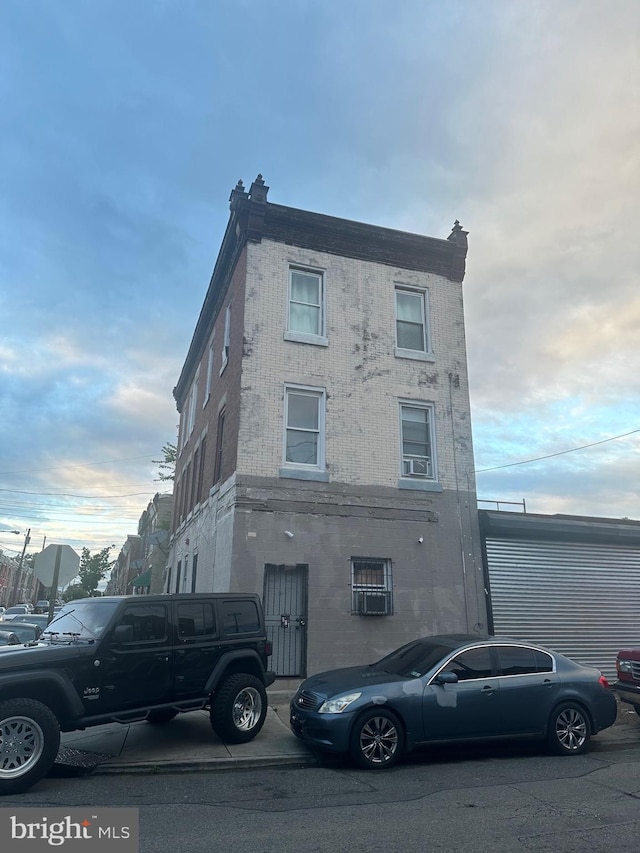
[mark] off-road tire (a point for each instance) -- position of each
(161, 716)
(377, 739)
(569, 729)
(29, 743)
(238, 708)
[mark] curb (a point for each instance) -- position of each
(204, 765)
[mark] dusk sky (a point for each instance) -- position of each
(124, 127)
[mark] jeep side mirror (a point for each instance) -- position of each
(123, 634)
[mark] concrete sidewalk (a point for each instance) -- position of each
(186, 743)
(189, 743)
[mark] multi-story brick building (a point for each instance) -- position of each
(324, 454)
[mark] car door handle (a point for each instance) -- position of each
(488, 689)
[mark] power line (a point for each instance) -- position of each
(68, 495)
(559, 453)
(78, 465)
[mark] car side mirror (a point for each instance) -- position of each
(123, 634)
(447, 678)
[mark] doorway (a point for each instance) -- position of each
(285, 606)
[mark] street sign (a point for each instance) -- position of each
(44, 565)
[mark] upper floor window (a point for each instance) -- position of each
(412, 332)
(304, 427)
(416, 423)
(227, 338)
(217, 465)
(207, 390)
(193, 399)
(306, 319)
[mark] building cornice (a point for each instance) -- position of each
(252, 218)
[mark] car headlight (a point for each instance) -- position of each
(339, 704)
(624, 665)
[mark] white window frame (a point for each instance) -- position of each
(210, 360)
(226, 341)
(193, 401)
(359, 588)
(424, 354)
(319, 337)
(406, 459)
(320, 395)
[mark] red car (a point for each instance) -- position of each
(628, 684)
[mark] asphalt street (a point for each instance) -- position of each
(503, 798)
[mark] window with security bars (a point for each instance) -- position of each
(371, 587)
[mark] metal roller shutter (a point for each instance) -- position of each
(581, 599)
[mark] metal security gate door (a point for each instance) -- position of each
(285, 610)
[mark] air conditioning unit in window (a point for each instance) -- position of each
(415, 467)
(375, 603)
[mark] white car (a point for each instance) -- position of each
(16, 610)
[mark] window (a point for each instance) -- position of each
(306, 306)
(411, 322)
(194, 479)
(186, 486)
(227, 338)
(476, 663)
(516, 660)
(193, 399)
(304, 431)
(417, 441)
(195, 620)
(207, 390)
(194, 572)
(371, 587)
(179, 569)
(240, 617)
(148, 623)
(203, 453)
(217, 472)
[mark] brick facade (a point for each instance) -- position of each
(257, 512)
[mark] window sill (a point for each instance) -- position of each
(414, 355)
(302, 474)
(419, 485)
(224, 364)
(305, 338)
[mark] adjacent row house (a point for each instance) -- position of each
(324, 453)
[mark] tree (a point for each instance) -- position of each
(93, 569)
(168, 463)
(73, 591)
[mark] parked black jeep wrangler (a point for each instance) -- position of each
(123, 659)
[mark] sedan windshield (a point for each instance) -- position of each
(413, 660)
(84, 619)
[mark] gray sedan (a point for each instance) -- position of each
(451, 688)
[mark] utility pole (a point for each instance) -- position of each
(16, 585)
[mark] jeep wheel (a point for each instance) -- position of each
(239, 708)
(162, 715)
(29, 741)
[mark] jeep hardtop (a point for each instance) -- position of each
(127, 658)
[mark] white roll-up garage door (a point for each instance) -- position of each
(581, 599)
